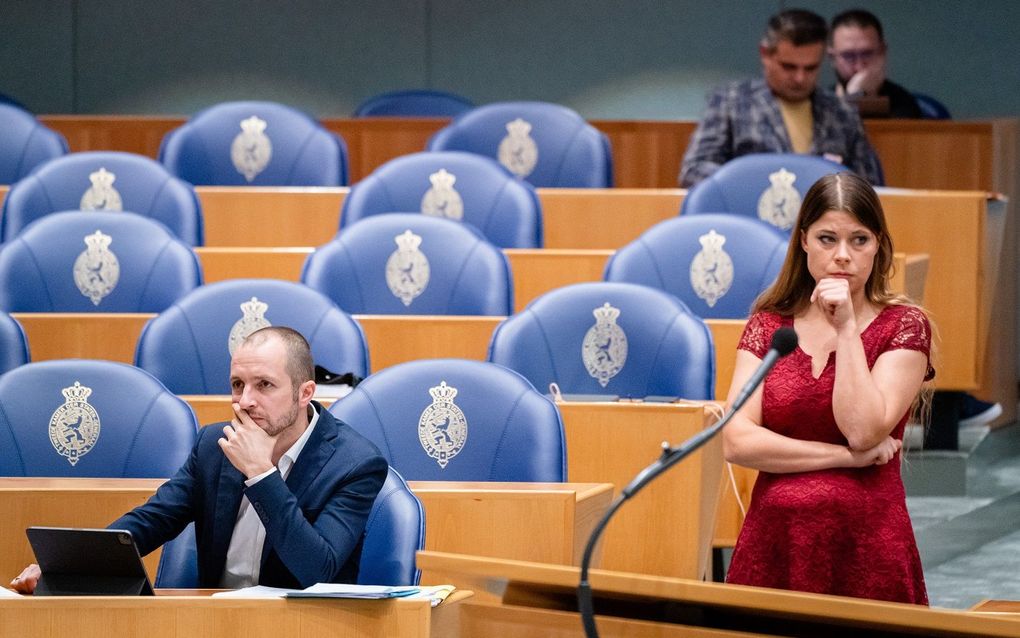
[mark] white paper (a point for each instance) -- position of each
(7, 593)
(258, 591)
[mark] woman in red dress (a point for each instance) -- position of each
(828, 511)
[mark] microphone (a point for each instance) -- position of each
(783, 342)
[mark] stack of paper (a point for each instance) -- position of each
(330, 590)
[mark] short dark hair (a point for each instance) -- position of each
(300, 367)
(859, 18)
(796, 26)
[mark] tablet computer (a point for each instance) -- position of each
(88, 562)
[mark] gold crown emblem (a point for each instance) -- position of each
(443, 392)
(442, 180)
(102, 178)
(253, 125)
(98, 242)
(254, 307)
(407, 241)
(712, 241)
(782, 177)
(77, 393)
(606, 313)
(518, 128)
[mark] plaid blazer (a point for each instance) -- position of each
(743, 117)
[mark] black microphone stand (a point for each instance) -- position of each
(670, 457)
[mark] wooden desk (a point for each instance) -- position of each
(522, 600)
(543, 522)
(205, 616)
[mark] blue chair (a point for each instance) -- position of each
(96, 419)
(458, 420)
(414, 103)
(188, 346)
(459, 186)
(609, 339)
(395, 530)
(410, 264)
(95, 262)
(767, 186)
(255, 144)
(13, 344)
(931, 108)
(545, 144)
(109, 181)
(716, 263)
(26, 143)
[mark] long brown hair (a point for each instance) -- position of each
(845, 192)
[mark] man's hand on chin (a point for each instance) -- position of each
(246, 445)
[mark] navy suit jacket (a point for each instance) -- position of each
(314, 520)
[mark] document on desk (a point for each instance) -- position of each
(7, 593)
(331, 590)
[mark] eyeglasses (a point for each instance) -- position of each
(861, 55)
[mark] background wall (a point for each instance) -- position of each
(624, 59)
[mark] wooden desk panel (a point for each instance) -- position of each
(68, 335)
(214, 617)
(264, 216)
(221, 263)
(603, 217)
(373, 141)
(394, 339)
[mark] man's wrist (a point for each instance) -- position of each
(258, 477)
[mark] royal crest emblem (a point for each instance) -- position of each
(252, 319)
(518, 152)
(443, 200)
(407, 269)
(101, 195)
(604, 350)
(780, 202)
(251, 149)
(96, 270)
(74, 426)
(442, 428)
(711, 268)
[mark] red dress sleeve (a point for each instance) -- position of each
(757, 335)
(913, 332)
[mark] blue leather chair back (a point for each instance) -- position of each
(458, 420)
(414, 103)
(95, 262)
(411, 264)
(931, 108)
(25, 143)
(108, 181)
(716, 263)
(97, 419)
(545, 144)
(766, 186)
(13, 344)
(255, 144)
(395, 530)
(610, 339)
(189, 345)
(459, 186)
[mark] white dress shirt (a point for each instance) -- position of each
(244, 555)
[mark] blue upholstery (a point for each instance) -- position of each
(717, 279)
(466, 275)
(187, 345)
(414, 103)
(143, 430)
(931, 108)
(511, 431)
(740, 184)
(666, 350)
(570, 152)
(37, 268)
(25, 143)
(13, 344)
(484, 194)
(394, 532)
(302, 152)
(76, 181)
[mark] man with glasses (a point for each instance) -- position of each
(857, 49)
(784, 111)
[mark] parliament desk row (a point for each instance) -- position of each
(978, 155)
(515, 599)
(667, 529)
(195, 614)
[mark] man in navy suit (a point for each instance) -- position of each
(280, 495)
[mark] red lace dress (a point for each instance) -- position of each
(838, 531)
